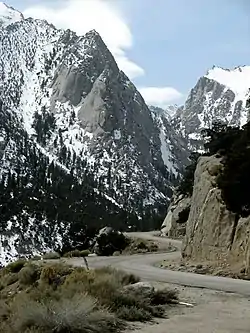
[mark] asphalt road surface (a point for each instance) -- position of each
(142, 265)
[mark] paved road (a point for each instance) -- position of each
(143, 266)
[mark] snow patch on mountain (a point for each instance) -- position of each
(77, 140)
(236, 79)
(9, 15)
(220, 95)
(166, 153)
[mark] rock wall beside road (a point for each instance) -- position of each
(212, 232)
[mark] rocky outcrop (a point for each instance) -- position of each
(240, 250)
(220, 95)
(174, 224)
(96, 119)
(212, 231)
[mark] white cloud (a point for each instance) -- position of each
(107, 18)
(84, 15)
(160, 96)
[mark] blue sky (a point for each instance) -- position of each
(172, 42)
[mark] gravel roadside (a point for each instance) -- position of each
(213, 312)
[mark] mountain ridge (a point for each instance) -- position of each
(79, 147)
(77, 139)
(9, 15)
(215, 97)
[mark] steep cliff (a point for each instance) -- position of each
(212, 231)
(78, 145)
(96, 114)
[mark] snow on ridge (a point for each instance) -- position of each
(9, 15)
(236, 80)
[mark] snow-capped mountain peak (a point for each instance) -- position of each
(70, 118)
(219, 95)
(9, 15)
(236, 79)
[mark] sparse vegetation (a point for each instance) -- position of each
(139, 245)
(77, 254)
(111, 242)
(16, 266)
(232, 144)
(51, 255)
(56, 298)
(28, 274)
(183, 215)
(187, 182)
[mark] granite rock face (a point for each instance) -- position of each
(174, 225)
(212, 231)
(240, 250)
(69, 111)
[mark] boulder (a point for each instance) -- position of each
(144, 288)
(174, 224)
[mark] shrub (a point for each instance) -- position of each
(183, 215)
(54, 274)
(51, 255)
(74, 300)
(111, 242)
(219, 138)
(77, 253)
(36, 258)
(165, 296)
(74, 253)
(153, 247)
(141, 246)
(4, 311)
(9, 279)
(133, 313)
(122, 277)
(85, 253)
(187, 182)
(28, 274)
(78, 315)
(16, 266)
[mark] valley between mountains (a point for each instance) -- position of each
(90, 175)
(80, 149)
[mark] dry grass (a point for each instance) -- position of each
(57, 298)
(79, 314)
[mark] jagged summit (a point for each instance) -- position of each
(9, 15)
(77, 137)
(236, 79)
(221, 95)
(93, 33)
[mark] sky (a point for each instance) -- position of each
(164, 46)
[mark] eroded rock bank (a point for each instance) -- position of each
(212, 232)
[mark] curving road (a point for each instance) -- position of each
(143, 266)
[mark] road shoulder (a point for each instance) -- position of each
(213, 312)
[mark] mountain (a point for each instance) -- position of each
(9, 15)
(173, 146)
(220, 95)
(78, 145)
